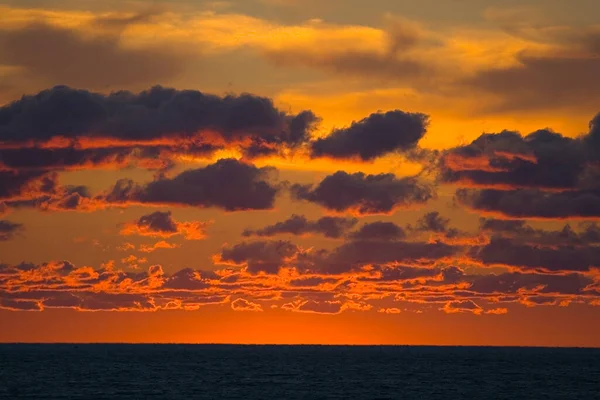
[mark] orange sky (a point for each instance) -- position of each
(292, 172)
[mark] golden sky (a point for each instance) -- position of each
(282, 171)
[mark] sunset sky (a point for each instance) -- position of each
(300, 171)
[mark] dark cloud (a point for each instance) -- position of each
(593, 138)
(440, 230)
(18, 183)
(331, 227)
(310, 281)
(353, 255)
(379, 231)
(542, 159)
(432, 222)
(42, 190)
(374, 136)
(543, 174)
(162, 224)
(189, 279)
(228, 184)
(39, 189)
(32, 158)
(50, 54)
(9, 229)
(504, 226)
(405, 273)
(160, 120)
(532, 203)
(515, 282)
(365, 194)
(158, 222)
(376, 247)
(531, 257)
(589, 232)
(260, 256)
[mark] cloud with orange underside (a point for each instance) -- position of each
(164, 245)
(240, 304)
(162, 225)
(62, 284)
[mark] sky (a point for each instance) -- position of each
(286, 171)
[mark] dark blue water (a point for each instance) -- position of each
(295, 372)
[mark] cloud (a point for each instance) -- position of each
(330, 227)
(391, 54)
(189, 279)
(391, 310)
(356, 254)
(161, 224)
(558, 79)
(439, 229)
(462, 306)
(589, 233)
(133, 261)
(532, 203)
(259, 256)
(529, 282)
(245, 305)
(312, 281)
(72, 158)
(551, 259)
(248, 188)
(17, 184)
(540, 175)
(374, 136)
(324, 307)
(469, 306)
(378, 231)
(43, 191)
(543, 159)
(65, 127)
(61, 284)
(372, 248)
(49, 54)
(379, 243)
(365, 194)
(401, 273)
(156, 246)
(8, 230)
(432, 222)
(497, 311)
(504, 226)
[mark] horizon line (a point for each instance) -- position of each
(299, 345)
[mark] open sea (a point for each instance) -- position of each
(105, 371)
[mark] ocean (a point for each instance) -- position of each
(123, 371)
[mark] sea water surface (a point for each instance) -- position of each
(104, 371)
